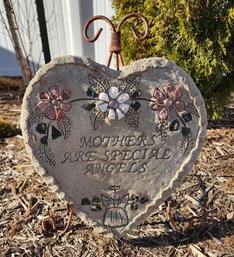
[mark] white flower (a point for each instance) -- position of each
(114, 102)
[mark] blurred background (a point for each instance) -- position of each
(64, 22)
(197, 35)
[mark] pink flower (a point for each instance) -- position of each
(52, 105)
(168, 102)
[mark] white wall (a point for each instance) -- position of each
(67, 37)
(65, 22)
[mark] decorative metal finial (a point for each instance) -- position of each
(115, 43)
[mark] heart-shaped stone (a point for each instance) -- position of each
(117, 143)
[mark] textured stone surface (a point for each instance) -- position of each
(117, 143)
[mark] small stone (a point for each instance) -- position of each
(54, 102)
(230, 216)
(167, 102)
(114, 104)
(116, 196)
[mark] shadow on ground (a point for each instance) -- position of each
(211, 230)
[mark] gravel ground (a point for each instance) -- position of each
(202, 207)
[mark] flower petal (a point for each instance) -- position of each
(176, 94)
(173, 112)
(43, 105)
(65, 107)
(50, 113)
(168, 91)
(157, 107)
(104, 97)
(163, 114)
(158, 94)
(45, 95)
(120, 115)
(122, 98)
(65, 94)
(113, 92)
(54, 91)
(59, 114)
(103, 107)
(180, 106)
(111, 114)
(124, 107)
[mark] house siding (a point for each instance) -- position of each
(65, 22)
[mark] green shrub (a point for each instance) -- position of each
(198, 35)
(6, 129)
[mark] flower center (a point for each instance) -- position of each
(167, 102)
(55, 102)
(116, 196)
(113, 104)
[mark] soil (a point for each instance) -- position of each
(33, 219)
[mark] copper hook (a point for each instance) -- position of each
(134, 31)
(87, 24)
(115, 43)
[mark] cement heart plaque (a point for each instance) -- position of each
(116, 143)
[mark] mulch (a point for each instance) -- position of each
(33, 219)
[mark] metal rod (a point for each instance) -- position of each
(115, 43)
(43, 30)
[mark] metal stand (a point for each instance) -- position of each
(115, 43)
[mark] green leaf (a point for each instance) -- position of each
(134, 198)
(96, 200)
(174, 126)
(55, 133)
(89, 107)
(134, 206)
(91, 93)
(85, 201)
(135, 105)
(96, 207)
(44, 140)
(41, 128)
(143, 199)
(136, 94)
(187, 117)
(185, 131)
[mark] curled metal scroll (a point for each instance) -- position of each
(115, 43)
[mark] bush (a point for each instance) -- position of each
(198, 35)
(7, 129)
